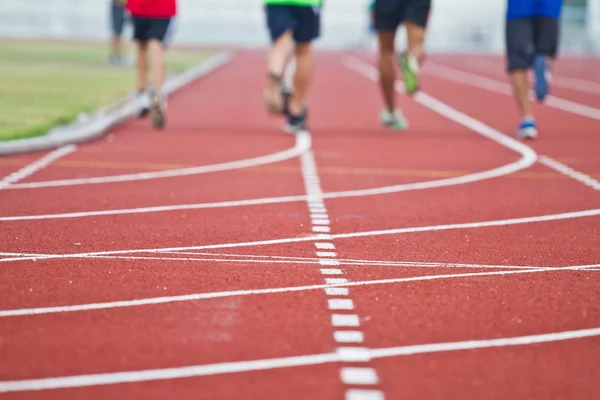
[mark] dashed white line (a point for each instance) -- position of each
(570, 172)
(348, 336)
(354, 354)
(331, 271)
(326, 254)
(324, 246)
(345, 320)
(328, 261)
(364, 394)
(340, 304)
(359, 376)
(337, 291)
(30, 169)
(285, 362)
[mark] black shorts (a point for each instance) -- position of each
(161, 29)
(389, 14)
(117, 19)
(528, 37)
(304, 21)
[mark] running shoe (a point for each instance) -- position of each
(296, 123)
(145, 101)
(542, 77)
(410, 72)
(527, 129)
(394, 121)
(158, 107)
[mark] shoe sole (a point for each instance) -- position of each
(540, 67)
(527, 134)
(411, 79)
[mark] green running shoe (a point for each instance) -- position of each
(410, 73)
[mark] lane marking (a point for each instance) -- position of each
(327, 261)
(335, 291)
(354, 354)
(469, 225)
(364, 394)
(340, 304)
(331, 271)
(348, 336)
(343, 282)
(528, 158)
(326, 254)
(303, 144)
(9, 181)
(324, 246)
(359, 376)
(496, 86)
(345, 320)
(284, 362)
(570, 172)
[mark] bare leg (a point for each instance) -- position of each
(142, 66)
(302, 77)
(387, 70)
(277, 60)
(157, 55)
(416, 38)
(520, 86)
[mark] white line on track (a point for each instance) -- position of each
(431, 228)
(570, 172)
(528, 158)
(303, 144)
(494, 85)
(9, 181)
(330, 282)
(284, 362)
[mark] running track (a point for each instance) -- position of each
(445, 262)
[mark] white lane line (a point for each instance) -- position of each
(326, 254)
(469, 225)
(335, 281)
(348, 336)
(294, 260)
(336, 291)
(340, 304)
(9, 181)
(303, 144)
(314, 216)
(570, 172)
(331, 271)
(321, 229)
(343, 282)
(324, 246)
(345, 320)
(284, 362)
(364, 394)
(359, 376)
(493, 85)
(327, 261)
(528, 158)
(354, 354)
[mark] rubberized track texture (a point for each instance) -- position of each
(223, 259)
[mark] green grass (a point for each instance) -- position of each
(47, 84)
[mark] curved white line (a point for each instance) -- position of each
(282, 362)
(254, 292)
(303, 144)
(528, 158)
(468, 225)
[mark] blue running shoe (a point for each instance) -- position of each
(527, 129)
(542, 77)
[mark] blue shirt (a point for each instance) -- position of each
(533, 8)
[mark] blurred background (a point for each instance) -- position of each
(456, 25)
(54, 54)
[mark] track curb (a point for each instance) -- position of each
(103, 119)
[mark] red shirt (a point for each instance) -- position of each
(152, 8)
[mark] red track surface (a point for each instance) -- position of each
(489, 295)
